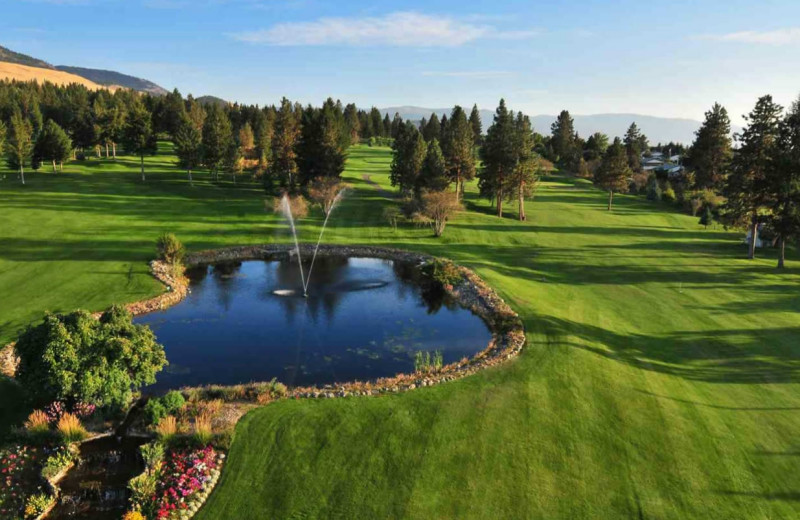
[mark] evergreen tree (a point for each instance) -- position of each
(596, 146)
(376, 123)
(458, 148)
(707, 217)
(748, 188)
(408, 155)
(246, 140)
(475, 123)
(785, 180)
(397, 124)
(196, 114)
(613, 173)
(498, 154)
(563, 140)
(635, 146)
(321, 151)
(53, 144)
(352, 122)
(432, 129)
(284, 141)
(262, 136)
(711, 151)
(139, 137)
(217, 139)
(444, 127)
(188, 146)
(20, 143)
(173, 112)
(525, 176)
(433, 175)
(387, 126)
(3, 134)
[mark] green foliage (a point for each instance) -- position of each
(37, 504)
(52, 144)
(217, 139)
(408, 157)
(711, 151)
(668, 194)
(654, 191)
(442, 271)
(74, 357)
(425, 362)
(170, 249)
(143, 488)
(433, 175)
(614, 172)
(707, 217)
(152, 454)
(20, 143)
(57, 462)
(157, 408)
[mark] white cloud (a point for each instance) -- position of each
(401, 29)
(777, 37)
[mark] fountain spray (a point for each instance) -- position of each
(335, 202)
(287, 211)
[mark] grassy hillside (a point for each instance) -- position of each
(660, 378)
(112, 78)
(15, 71)
(22, 59)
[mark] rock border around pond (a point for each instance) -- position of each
(471, 292)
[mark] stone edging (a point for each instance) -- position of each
(508, 333)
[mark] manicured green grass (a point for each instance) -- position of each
(660, 379)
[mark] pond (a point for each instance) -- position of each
(363, 318)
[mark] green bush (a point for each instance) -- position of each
(154, 411)
(653, 189)
(74, 357)
(170, 249)
(152, 454)
(443, 271)
(173, 401)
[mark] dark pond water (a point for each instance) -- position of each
(96, 488)
(363, 318)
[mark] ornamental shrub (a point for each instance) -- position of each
(443, 271)
(71, 429)
(76, 358)
(37, 504)
(170, 249)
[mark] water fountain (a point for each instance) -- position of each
(286, 209)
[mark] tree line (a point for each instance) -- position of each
(287, 145)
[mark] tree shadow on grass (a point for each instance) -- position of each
(767, 355)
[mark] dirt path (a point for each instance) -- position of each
(381, 191)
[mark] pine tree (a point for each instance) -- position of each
(711, 151)
(53, 144)
(707, 217)
(376, 122)
(563, 140)
(352, 122)
(748, 187)
(408, 155)
(196, 114)
(613, 173)
(217, 139)
(397, 124)
(635, 145)
(262, 136)
(785, 181)
(20, 143)
(387, 126)
(188, 146)
(3, 134)
(596, 146)
(139, 137)
(246, 139)
(498, 156)
(475, 123)
(284, 141)
(524, 178)
(458, 147)
(433, 175)
(432, 129)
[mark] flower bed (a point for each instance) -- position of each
(183, 481)
(20, 480)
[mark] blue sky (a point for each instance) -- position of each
(670, 59)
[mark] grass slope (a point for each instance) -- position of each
(659, 380)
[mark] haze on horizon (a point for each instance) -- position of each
(668, 59)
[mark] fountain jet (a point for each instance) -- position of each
(286, 209)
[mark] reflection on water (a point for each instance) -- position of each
(363, 318)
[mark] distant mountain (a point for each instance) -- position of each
(109, 77)
(10, 56)
(657, 129)
(211, 100)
